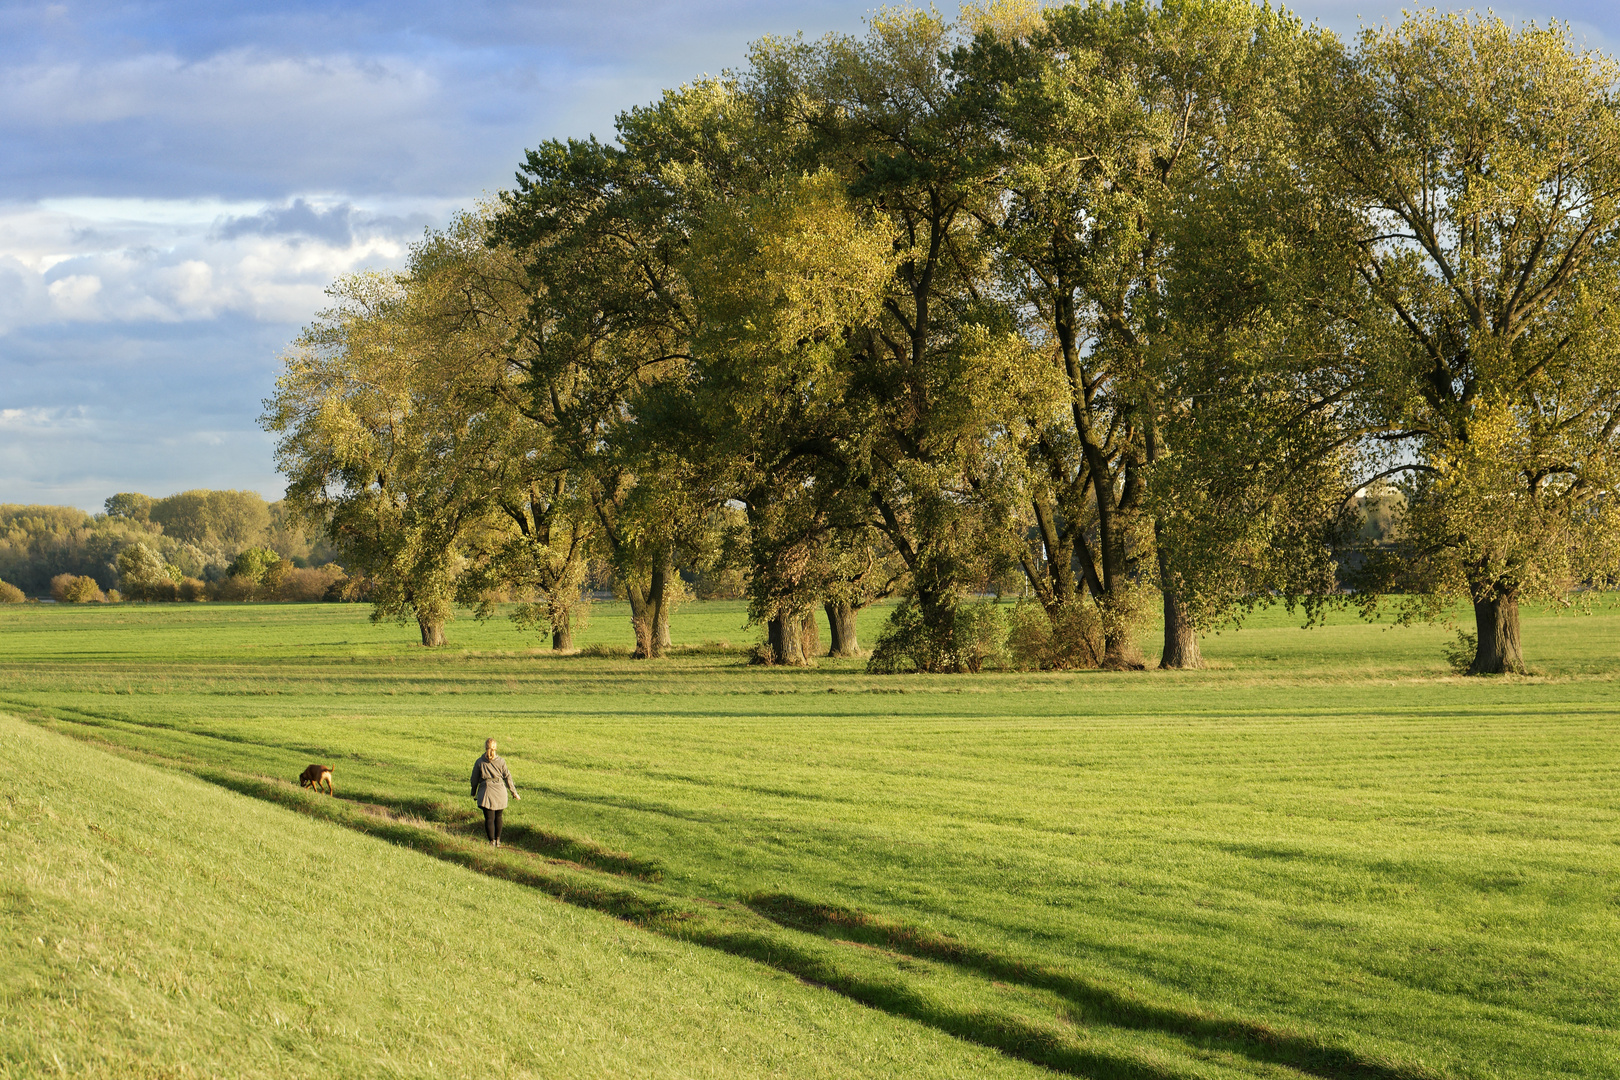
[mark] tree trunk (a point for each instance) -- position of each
(1119, 646)
(639, 622)
(564, 605)
(432, 631)
(810, 637)
(1496, 620)
(1180, 637)
(841, 626)
(657, 594)
(785, 635)
(649, 615)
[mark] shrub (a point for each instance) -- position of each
(193, 589)
(978, 639)
(254, 564)
(86, 591)
(10, 594)
(1074, 641)
(235, 588)
(981, 635)
(72, 589)
(906, 644)
(145, 576)
(1460, 653)
(307, 586)
(349, 590)
(256, 574)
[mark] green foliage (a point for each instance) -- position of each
(981, 635)
(1482, 162)
(10, 594)
(979, 641)
(143, 575)
(407, 436)
(1038, 641)
(40, 542)
(226, 519)
(255, 566)
(904, 644)
(129, 504)
(1130, 297)
(1461, 652)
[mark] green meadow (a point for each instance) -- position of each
(1325, 856)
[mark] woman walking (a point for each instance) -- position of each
(490, 780)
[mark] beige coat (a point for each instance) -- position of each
(490, 779)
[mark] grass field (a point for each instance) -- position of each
(1325, 856)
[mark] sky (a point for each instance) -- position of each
(180, 182)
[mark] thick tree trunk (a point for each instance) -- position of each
(841, 626)
(1120, 653)
(810, 637)
(785, 636)
(1119, 645)
(1496, 620)
(1180, 637)
(432, 631)
(649, 614)
(563, 607)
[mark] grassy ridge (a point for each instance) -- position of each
(1325, 857)
(158, 926)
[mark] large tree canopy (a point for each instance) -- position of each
(1484, 165)
(1128, 300)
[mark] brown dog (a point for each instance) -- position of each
(315, 776)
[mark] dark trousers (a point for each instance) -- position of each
(492, 823)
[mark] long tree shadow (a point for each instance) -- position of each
(1097, 1003)
(524, 837)
(620, 902)
(1013, 1036)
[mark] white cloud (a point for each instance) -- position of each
(40, 420)
(88, 260)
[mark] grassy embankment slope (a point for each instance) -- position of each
(1325, 857)
(158, 926)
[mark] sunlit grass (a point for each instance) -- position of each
(156, 926)
(1326, 855)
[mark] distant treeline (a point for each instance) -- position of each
(201, 544)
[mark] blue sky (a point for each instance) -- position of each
(180, 181)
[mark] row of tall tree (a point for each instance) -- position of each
(1133, 300)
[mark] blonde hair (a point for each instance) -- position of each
(489, 749)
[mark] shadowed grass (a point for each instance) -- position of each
(1096, 1004)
